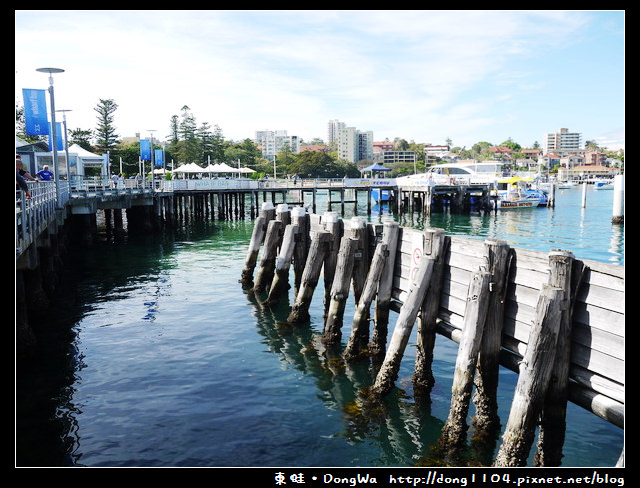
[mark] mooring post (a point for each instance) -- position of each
(333, 225)
(497, 260)
(359, 231)
(390, 232)
(551, 433)
(259, 229)
(283, 214)
(475, 314)
(268, 260)
(435, 246)
(280, 283)
(340, 290)
(357, 344)
(300, 218)
(533, 380)
(300, 310)
(388, 372)
(618, 200)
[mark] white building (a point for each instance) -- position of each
(354, 145)
(562, 143)
(332, 131)
(272, 142)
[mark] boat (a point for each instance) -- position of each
(603, 185)
(513, 194)
(567, 185)
(455, 174)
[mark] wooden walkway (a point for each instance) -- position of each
(560, 321)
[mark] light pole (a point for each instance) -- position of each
(53, 128)
(66, 144)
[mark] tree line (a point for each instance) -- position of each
(190, 141)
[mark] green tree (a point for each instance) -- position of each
(81, 137)
(105, 133)
(188, 147)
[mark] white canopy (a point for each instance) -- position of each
(83, 153)
(189, 168)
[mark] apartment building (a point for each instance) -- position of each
(354, 145)
(332, 131)
(562, 143)
(272, 142)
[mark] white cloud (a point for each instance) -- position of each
(422, 75)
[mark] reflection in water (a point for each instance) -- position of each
(400, 424)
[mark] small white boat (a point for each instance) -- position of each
(603, 185)
(567, 185)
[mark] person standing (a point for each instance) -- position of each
(44, 174)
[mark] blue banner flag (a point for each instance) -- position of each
(35, 112)
(60, 143)
(159, 157)
(145, 150)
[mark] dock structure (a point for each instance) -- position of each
(556, 321)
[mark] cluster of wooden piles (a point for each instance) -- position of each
(413, 273)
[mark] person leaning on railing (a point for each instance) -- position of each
(21, 176)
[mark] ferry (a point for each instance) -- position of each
(456, 174)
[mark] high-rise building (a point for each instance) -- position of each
(332, 131)
(272, 142)
(354, 145)
(562, 143)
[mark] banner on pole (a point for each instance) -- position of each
(59, 142)
(145, 149)
(159, 153)
(35, 112)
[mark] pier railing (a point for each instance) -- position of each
(34, 214)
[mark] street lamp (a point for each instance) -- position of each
(66, 144)
(53, 127)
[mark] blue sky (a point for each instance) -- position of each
(422, 75)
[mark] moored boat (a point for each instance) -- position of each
(603, 185)
(513, 194)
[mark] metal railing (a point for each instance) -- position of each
(34, 214)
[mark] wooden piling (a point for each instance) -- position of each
(300, 218)
(390, 233)
(533, 380)
(564, 273)
(435, 246)
(359, 231)
(259, 229)
(300, 310)
(388, 372)
(280, 283)
(357, 344)
(268, 260)
(455, 428)
(333, 225)
(497, 261)
(340, 290)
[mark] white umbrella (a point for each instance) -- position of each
(245, 170)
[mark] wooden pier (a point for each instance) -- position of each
(556, 321)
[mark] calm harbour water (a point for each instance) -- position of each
(155, 356)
